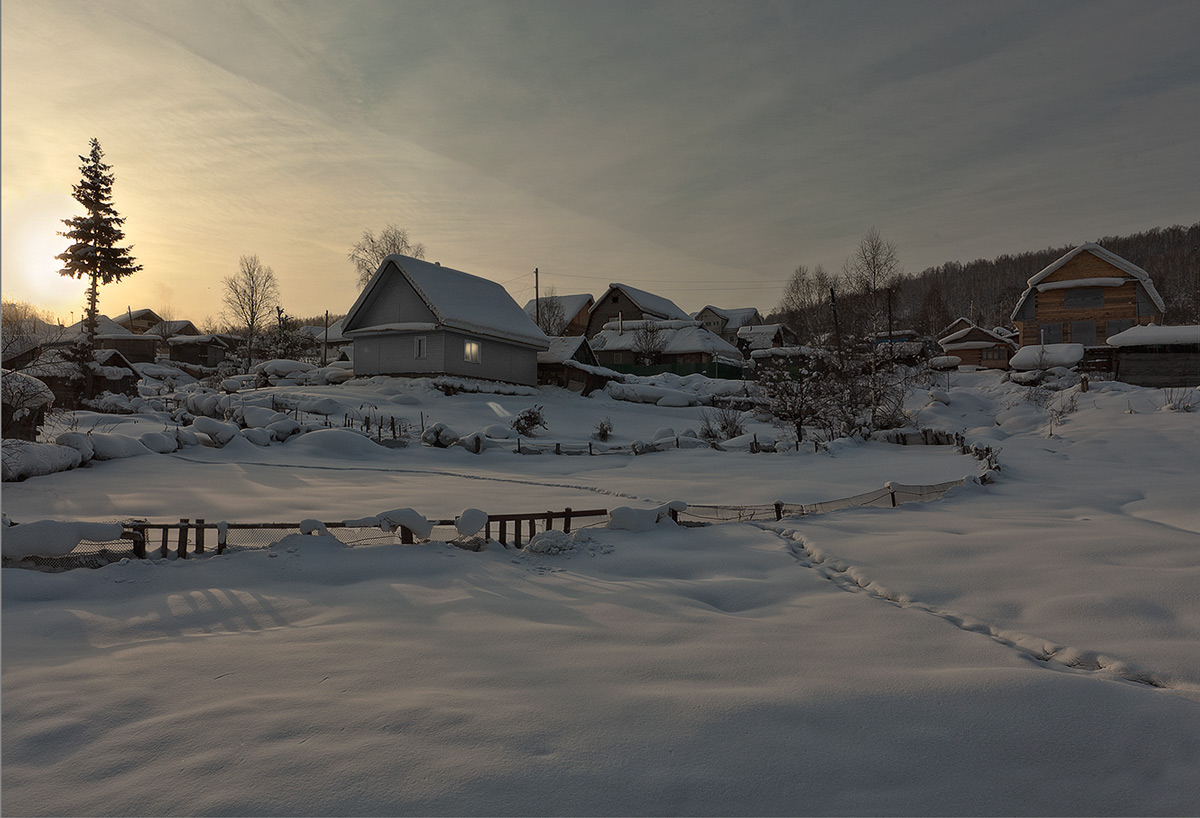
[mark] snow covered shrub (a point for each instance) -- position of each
(551, 542)
(439, 435)
(721, 423)
(1179, 400)
(528, 420)
(23, 458)
(604, 430)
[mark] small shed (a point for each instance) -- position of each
(976, 346)
(24, 402)
(1158, 356)
(416, 317)
(60, 370)
(571, 364)
(111, 335)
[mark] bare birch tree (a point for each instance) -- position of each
(250, 296)
(371, 250)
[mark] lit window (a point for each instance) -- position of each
(420, 347)
(471, 352)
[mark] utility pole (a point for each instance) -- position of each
(325, 346)
(837, 330)
(537, 299)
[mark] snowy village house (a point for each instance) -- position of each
(416, 317)
(728, 322)
(1084, 297)
(976, 346)
(621, 302)
(576, 310)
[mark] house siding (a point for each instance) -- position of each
(396, 302)
(1127, 302)
(394, 354)
(613, 304)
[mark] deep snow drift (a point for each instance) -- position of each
(1026, 647)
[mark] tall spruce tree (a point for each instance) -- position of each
(94, 236)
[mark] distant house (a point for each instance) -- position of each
(199, 350)
(571, 364)
(111, 335)
(1084, 297)
(976, 346)
(112, 371)
(576, 309)
(687, 348)
(621, 302)
(727, 322)
(328, 341)
(1158, 356)
(415, 317)
(955, 326)
(138, 321)
(765, 336)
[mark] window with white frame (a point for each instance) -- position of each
(420, 347)
(471, 352)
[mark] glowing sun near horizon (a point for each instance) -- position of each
(30, 244)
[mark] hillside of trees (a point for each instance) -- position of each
(986, 290)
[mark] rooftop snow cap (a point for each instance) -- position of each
(458, 300)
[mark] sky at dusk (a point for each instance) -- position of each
(698, 150)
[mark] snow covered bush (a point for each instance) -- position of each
(528, 420)
(604, 429)
(722, 423)
(23, 458)
(643, 519)
(551, 542)
(439, 435)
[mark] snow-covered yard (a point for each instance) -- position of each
(1029, 646)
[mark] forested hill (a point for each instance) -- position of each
(989, 288)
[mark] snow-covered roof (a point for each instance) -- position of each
(22, 391)
(105, 328)
(458, 300)
(317, 332)
(179, 340)
(735, 318)
(761, 336)
(653, 304)
(1152, 334)
(572, 305)
(682, 337)
(142, 313)
(973, 338)
(1124, 265)
(169, 329)
(561, 349)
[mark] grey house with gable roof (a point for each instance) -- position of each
(416, 317)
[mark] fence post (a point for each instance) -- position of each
(778, 510)
(138, 535)
(165, 534)
(558, 448)
(221, 538)
(673, 514)
(549, 520)
(518, 444)
(181, 549)
(532, 527)
(199, 535)
(567, 521)
(504, 533)
(517, 533)
(754, 445)
(590, 447)
(892, 492)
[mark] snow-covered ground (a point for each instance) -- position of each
(1029, 646)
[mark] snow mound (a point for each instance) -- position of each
(116, 447)
(439, 435)
(23, 458)
(51, 538)
(471, 522)
(336, 444)
(218, 430)
(643, 519)
(1046, 356)
(551, 542)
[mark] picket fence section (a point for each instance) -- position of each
(143, 539)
